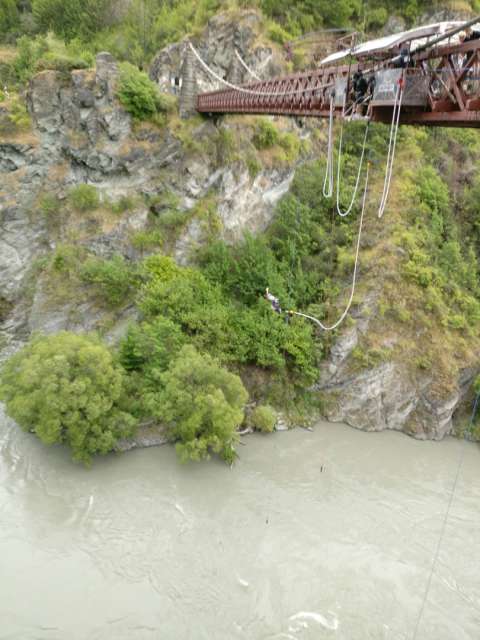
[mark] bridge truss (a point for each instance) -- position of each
(444, 84)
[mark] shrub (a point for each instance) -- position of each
(16, 119)
(66, 389)
(277, 34)
(115, 278)
(84, 197)
(138, 94)
(8, 16)
(165, 102)
(49, 205)
(123, 204)
(66, 259)
(266, 135)
(29, 51)
(254, 166)
(60, 62)
(264, 418)
(145, 240)
(202, 404)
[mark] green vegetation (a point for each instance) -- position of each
(140, 96)
(67, 389)
(202, 404)
(114, 279)
(84, 197)
(15, 118)
(49, 205)
(134, 31)
(264, 418)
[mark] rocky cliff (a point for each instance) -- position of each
(80, 134)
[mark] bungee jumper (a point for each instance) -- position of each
(274, 302)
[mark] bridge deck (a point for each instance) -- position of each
(451, 76)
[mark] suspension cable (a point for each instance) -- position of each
(354, 280)
(357, 181)
(397, 107)
(270, 94)
(246, 67)
(328, 181)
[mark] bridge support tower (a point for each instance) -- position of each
(188, 93)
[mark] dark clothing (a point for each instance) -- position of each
(371, 84)
(473, 36)
(403, 60)
(360, 85)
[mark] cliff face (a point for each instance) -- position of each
(80, 134)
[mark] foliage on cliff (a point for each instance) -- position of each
(136, 29)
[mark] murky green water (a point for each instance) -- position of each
(329, 534)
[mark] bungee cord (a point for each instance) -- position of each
(328, 181)
(355, 269)
(357, 181)
(391, 147)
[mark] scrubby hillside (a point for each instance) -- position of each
(161, 235)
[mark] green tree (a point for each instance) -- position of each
(9, 16)
(202, 404)
(138, 94)
(66, 389)
(115, 278)
(72, 18)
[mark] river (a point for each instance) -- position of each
(312, 535)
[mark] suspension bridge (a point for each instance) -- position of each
(441, 81)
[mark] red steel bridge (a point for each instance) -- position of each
(441, 83)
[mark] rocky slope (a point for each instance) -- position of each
(81, 134)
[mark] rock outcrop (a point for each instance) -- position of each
(81, 134)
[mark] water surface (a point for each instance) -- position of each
(329, 534)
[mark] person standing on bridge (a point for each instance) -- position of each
(360, 88)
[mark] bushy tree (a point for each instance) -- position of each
(202, 404)
(9, 16)
(72, 18)
(66, 389)
(150, 347)
(138, 94)
(114, 278)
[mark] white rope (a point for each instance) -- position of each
(246, 67)
(252, 92)
(397, 107)
(354, 280)
(328, 181)
(357, 181)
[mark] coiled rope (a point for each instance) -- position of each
(357, 181)
(246, 67)
(355, 269)
(271, 94)
(391, 147)
(328, 181)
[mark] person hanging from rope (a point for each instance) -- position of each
(274, 302)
